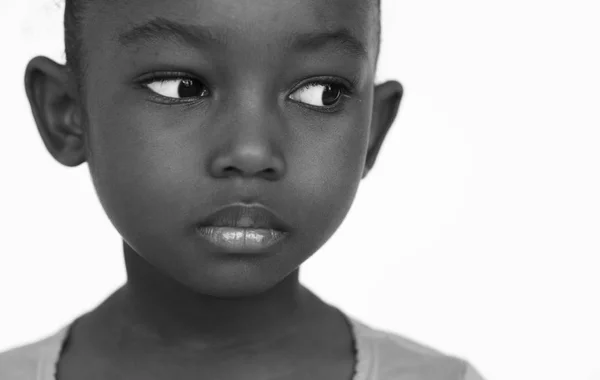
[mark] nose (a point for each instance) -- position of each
(248, 149)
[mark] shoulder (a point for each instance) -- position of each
(387, 355)
(31, 360)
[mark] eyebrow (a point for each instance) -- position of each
(341, 39)
(196, 35)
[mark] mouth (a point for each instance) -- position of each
(243, 228)
(241, 215)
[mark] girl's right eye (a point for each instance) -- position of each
(178, 88)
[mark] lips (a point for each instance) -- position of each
(240, 215)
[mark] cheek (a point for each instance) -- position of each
(327, 177)
(140, 172)
(332, 166)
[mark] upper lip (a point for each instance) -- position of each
(243, 215)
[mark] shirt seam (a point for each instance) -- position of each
(465, 369)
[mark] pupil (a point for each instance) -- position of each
(330, 95)
(188, 88)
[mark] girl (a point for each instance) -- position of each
(226, 140)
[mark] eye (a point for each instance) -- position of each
(319, 94)
(178, 87)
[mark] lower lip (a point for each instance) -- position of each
(241, 240)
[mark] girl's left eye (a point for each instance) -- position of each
(178, 88)
(319, 94)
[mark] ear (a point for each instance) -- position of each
(386, 101)
(53, 99)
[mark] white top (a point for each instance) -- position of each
(380, 355)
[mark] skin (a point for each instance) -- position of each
(159, 166)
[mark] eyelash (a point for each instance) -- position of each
(347, 90)
(163, 77)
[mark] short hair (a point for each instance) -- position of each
(74, 49)
(72, 36)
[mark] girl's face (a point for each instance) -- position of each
(193, 105)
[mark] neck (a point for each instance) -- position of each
(155, 308)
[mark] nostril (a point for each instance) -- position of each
(233, 169)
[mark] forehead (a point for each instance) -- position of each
(238, 22)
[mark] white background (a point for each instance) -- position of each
(477, 233)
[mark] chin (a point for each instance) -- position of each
(235, 280)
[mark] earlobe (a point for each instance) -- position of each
(386, 102)
(55, 110)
